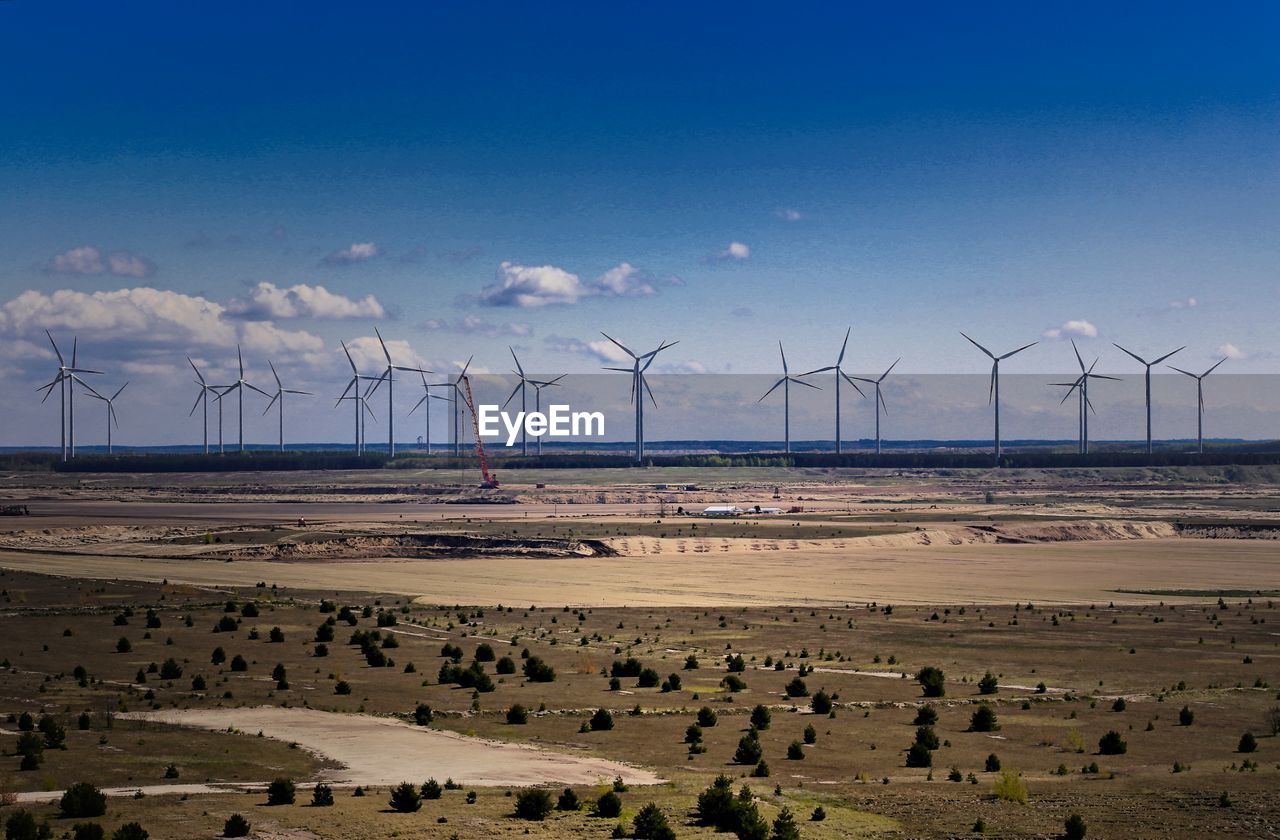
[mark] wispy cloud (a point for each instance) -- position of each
(267, 301)
(788, 214)
(600, 350)
(1231, 351)
(356, 252)
(1185, 303)
(1072, 329)
(89, 260)
(532, 287)
(734, 252)
(475, 325)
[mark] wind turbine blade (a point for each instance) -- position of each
(347, 390)
(799, 381)
(196, 369)
(979, 346)
(556, 381)
(623, 370)
(111, 409)
(1167, 355)
(991, 389)
(840, 358)
(1078, 358)
(365, 403)
(1088, 403)
(61, 362)
(884, 404)
(891, 367)
(86, 386)
(784, 358)
(519, 369)
(256, 388)
(771, 390)
(385, 351)
(1101, 376)
(279, 386)
(350, 360)
(821, 370)
(418, 403)
(625, 349)
(465, 367)
(1215, 364)
(849, 379)
(117, 393)
(196, 404)
(268, 408)
(514, 391)
(83, 370)
(1131, 353)
(240, 357)
(648, 390)
(1019, 350)
(1088, 372)
(292, 391)
(75, 346)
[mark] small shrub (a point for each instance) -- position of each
(1112, 744)
(988, 684)
(1247, 744)
(651, 824)
(281, 791)
(83, 800)
(919, 756)
(983, 720)
(405, 798)
(926, 715)
(748, 751)
(568, 801)
(1010, 787)
(932, 681)
(609, 805)
(322, 796)
(601, 721)
(1073, 828)
(795, 751)
(1186, 716)
(993, 763)
(235, 826)
(760, 717)
(517, 715)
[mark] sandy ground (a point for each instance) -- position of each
(675, 572)
(384, 751)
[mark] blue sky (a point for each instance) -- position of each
(724, 174)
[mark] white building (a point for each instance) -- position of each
(723, 510)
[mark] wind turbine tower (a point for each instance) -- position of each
(839, 374)
(1199, 378)
(993, 391)
(1148, 366)
(279, 395)
(879, 399)
(785, 382)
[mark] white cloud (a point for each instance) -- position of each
(788, 214)
(531, 287)
(368, 355)
(357, 252)
(1074, 328)
(601, 350)
(1232, 352)
(1187, 303)
(474, 324)
(144, 325)
(266, 301)
(88, 260)
(735, 251)
(625, 280)
(683, 367)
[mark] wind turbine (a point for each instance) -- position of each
(1081, 386)
(993, 391)
(538, 385)
(362, 406)
(639, 385)
(67, 376)
(238, 386)
(1199, 401)
(279, 395)
(520, 387)
(219, 391)
(203, 398)
(111, 410)
(455, 390)
(785, 382)
(426, 398)
(389, 376)
(839, 374)
(1148, 377)
(879, 399)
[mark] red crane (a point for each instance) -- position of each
(488, 480)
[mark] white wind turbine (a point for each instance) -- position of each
(879, 398)
(203, 399)
(639, 384)
(538, 385)
(993, 391)
(1148, 377)
(238, 386)
(427, 396)
(520, 389)
(840, 374)
(66, 378)
(111, 410)
(1199, 378)
(358, 397)
(1081, 387)
(785, 382)
(455, 397)
(279, 395)
(388, 375)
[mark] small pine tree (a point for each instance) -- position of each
(784, 827)
(405, 798)
(235, 826)
(568, 801)
(281, 791)
(1073, 828)
(322, 796)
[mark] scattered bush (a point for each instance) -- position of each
(821, 703)
(1073, 828)
(988, 684)
(235, 826)
(405, 798)
(707, 717)
(535, 670)
(1186, 716)
(651, 824)
(322, 796)
(926, 715)
(568, 801)
(1112, 744)
(748, 751)
(517, 715)
(983, 720)
(609, 805)
(932, 681)
(760, 717)
(83, 800)
(1247, 744)
(919, 756)
(601, 721)
(993, 763)
(1010, 787)
(281, 791)
(130, 831)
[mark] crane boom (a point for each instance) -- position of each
(488, 480)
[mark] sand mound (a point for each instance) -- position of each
(384, 751)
